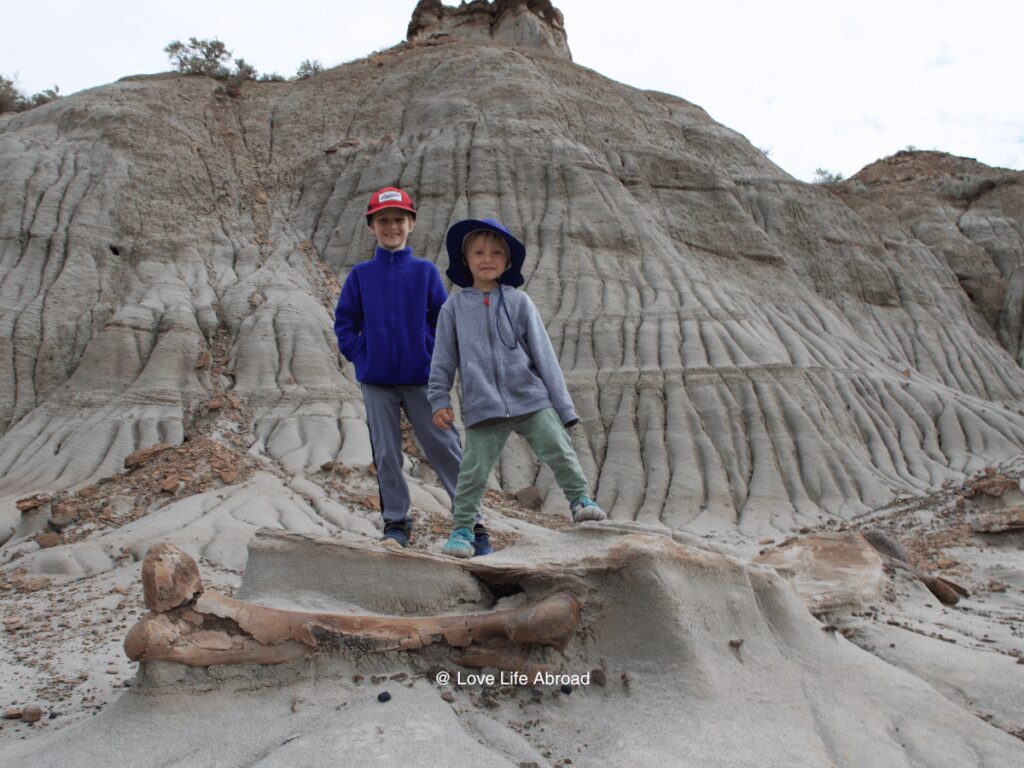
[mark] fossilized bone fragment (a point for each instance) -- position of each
(169, 578)
(214, 629)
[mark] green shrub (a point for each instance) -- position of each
(308, 68)
(271, 77)
(10, 97)
(964, 186)
(44, 97)
(826, 177)
(200, 57)
(13, 100)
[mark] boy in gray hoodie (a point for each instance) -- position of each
(494, 337)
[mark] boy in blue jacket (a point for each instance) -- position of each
(385, 322)
(494, 337)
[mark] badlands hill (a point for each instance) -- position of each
(751, 357)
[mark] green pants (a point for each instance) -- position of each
(548, 439)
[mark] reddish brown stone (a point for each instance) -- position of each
(31, 714)
(996, 486)
(371, 502)
(32, 502)
(47, 539)
(143, 455)
(170, 484)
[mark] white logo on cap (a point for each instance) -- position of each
(387, 197)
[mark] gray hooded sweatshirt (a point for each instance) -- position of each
(506, 371)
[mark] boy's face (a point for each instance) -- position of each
(487, 259)
(392, 226)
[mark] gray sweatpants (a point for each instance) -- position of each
(441, 446)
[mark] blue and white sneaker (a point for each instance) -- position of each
(460, 543)
(481, 541)
(584, 509)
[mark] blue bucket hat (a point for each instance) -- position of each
(458, 272)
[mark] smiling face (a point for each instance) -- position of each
(487, 257)
(392, 226)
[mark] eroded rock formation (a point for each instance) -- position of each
(529, 23)
(745, 351)
(968, 214)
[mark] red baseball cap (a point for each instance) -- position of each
(389, 197)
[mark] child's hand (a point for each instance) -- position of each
(444, 418)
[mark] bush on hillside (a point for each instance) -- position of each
(308, 68)
(200, 57)
(13, 100)
(826, 177)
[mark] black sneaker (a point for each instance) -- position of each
(481, 541)
(398, 533)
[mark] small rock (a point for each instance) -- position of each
(31, 714)
(112, 670)
(530, 496)
(170, 484)
(766, 541)
(47, 539)
(383, 696)
(598, 677)
(229, 477)
(566, 689)
(58, 522)
(735, 643)
(448, 696)
(13, 713)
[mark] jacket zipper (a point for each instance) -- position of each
(494, 356)
(391, 290)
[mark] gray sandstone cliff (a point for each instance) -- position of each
(744, 349)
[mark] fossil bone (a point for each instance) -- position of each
(214, 629)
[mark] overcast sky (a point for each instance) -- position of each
(816, 83)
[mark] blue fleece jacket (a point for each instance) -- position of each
(506, 363)
(386, 316)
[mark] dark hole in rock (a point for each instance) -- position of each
(498, 586)
(115, 250)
